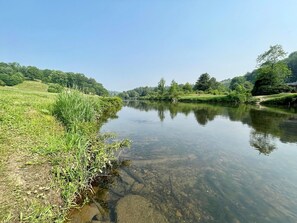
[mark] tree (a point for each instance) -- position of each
(236, 81)
(271, 56)
(272, 73)
(55, 88)
(33, 73)
(213, 84)
(202, 84)
(161, 86)
(173, 89)
(187, 88)
(291, 61)
(11, 80)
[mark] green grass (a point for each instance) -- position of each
(44, 165)
(279, 99)
(203, 98)
(25, 126)
(32, 86)
(73, 108)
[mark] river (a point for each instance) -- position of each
(205, 163)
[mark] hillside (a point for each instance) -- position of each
(12, 74)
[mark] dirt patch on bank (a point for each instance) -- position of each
(26, 187)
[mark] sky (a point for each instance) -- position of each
(125, 44)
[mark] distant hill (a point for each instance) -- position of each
(12, 74)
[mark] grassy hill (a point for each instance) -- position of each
(32, 86)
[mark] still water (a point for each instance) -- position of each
(205, 163)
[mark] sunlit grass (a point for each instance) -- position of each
(35, 143)
(32, 86)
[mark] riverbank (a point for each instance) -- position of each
(43, 164)
(282, 99)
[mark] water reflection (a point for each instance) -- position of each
(193, 163)
(262, 142)
(267, 123)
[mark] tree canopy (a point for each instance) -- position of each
(273, 72)
(13, 74)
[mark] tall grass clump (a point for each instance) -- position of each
(86, 153)
(73, 108)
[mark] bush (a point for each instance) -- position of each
(72, 109)
(55, 88)
(2, 83)
(11, 80)
(270, 89)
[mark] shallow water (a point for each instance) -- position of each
(204, 163)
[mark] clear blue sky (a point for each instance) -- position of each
(125, 44)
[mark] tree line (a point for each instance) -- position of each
(13, 73)
(272, 72)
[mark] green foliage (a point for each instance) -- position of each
(283, 99)
(11, 79)
(13, 73)
(270, 80)
(271, 56)
(55, 88)
(240, 96)
(161, 86)
(263, 89)
(173, 89)
(203, 98)
(187, 88)
(33, 73)
(73, 157)
(202, 84)
(87, 153)
(213, 84)
(73, 108)
(236, 81)
(206, 83)
(137, 92)
(272, 73)
(291, 61)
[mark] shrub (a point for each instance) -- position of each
(55, 88)
(11, 80)
(72, 109)
(269, 89)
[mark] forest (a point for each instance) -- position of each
(13, 73)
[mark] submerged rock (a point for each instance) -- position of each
(137, 209)
(85, 214)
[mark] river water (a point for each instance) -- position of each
(206, 163)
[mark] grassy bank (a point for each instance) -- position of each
(231, 98)
(202, 98)
(284, 99)
(45, 161)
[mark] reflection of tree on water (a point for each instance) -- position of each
(262, 142)
(205, 115)
(265, 124)
(161, 114)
